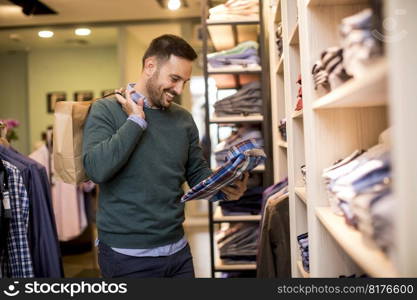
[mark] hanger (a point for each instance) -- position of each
(3, 133)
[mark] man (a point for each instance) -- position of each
(140, 149)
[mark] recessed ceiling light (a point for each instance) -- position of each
(45, 34)
(83, 31)
(174, 4)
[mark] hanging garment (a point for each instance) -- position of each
(42, 234)
(68, 201)
(16, 260)
(274, 253)
(242, 158)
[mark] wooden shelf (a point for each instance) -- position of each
(303, 272)
(297, 114)
(369, 90)
(295, 36)
(276, 12)
(282, 144)
(219, 266)
(260, 168)
(366, 254)
(221, 36)
(301, 192)
(335, 2)
(237, 119)
(219, 217)
(234, 70)
(279, 69)
(247, 21)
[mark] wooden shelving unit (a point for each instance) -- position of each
(237, 119)
(367, 91)
(301, 192)
(219, 217)
(283, 144)
(297, 114)
(295, 38)
(249, 70)
(225, 35)
(370, 258)
(331, 126)
(280, 66)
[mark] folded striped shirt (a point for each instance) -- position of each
(241, 158)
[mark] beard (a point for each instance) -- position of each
(156, 93)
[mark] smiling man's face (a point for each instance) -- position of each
(168, 81)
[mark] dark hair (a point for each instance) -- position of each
(168, 44)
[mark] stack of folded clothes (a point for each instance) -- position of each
(359, 188)
(304, 173)
(329, 72)
(244, 55)
(249, 204)
(299, 105)
(235, 10)
(283, 129)
(238, 243)
(245, 132)
(278, 35)
(246, 101)
(359, 44)
(303, 244)
(358, 50)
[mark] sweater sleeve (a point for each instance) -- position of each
(197, 167)
(107, 148)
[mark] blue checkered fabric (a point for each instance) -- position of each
(17, 263)
(242, 157)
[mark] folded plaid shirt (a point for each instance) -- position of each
(242, 157)
(18, 262)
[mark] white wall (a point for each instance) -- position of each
(67, 70)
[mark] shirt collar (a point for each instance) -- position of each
(136, 96)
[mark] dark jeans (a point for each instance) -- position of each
(114, 264)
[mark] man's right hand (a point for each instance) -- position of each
(129, 106)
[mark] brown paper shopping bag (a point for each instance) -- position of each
(69, 122)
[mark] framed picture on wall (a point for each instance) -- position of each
(52, 98)
(107, 92)
(83, 96)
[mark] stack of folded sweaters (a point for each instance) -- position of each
(235, 9)
(246, 101)
(244, 55)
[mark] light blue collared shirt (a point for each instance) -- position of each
(165, 250)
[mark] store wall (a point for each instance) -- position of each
(13, 95)
(67, 70)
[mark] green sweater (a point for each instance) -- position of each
(140, 172)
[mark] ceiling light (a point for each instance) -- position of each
(83, 31)
(45, 34)
(174, 4)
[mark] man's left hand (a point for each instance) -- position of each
(237, 188)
